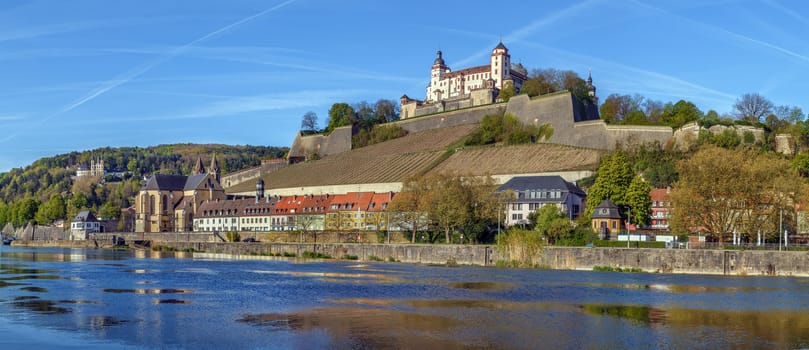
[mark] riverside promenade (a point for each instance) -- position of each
(684, 261)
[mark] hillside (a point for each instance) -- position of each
(427, 151)
(390, 161)
(521, 159)
(52, 175)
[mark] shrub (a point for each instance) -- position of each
(374, 258)
(314, 255)
(350, 257)
(521, 247)
(232, 236)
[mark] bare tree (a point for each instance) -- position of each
(753, 107)
(309, 121)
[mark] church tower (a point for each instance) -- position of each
(500, 64)
(214, 168)
(591, 89)
(437, 73)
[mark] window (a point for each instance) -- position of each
(533, 206)
(614, 224)
(516, 217)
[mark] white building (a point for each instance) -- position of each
(83, 224)
(534, 192)
(446, 84)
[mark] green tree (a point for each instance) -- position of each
(507, 91)
(637, 198)
(613, 177)
(552, 223)
(51, 210)
(680, 113)
(109, 211)
(340, 114)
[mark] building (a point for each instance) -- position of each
(347, 212)
(607, 220)
(312, 214)
(96, 168)
(466, 87)
(169, 203)
(661, 207)
(83, 224)
(377, 216)
(447, 84)
(534, 192)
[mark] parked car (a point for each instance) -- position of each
(249, 240)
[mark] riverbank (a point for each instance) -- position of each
(684, 261)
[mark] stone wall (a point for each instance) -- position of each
(250, 175)
(454, 118)
(694, 261)
(338, 141)
(566, 115)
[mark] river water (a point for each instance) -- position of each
(100, 299)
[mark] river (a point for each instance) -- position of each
(103, 299)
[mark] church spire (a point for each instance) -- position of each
(214, 168)
(198, 168)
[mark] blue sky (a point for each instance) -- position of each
(82, 74)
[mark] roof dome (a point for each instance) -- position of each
(438, 59)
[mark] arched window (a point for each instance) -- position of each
(151, 204)
(165, 203)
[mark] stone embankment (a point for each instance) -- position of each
(687, 261)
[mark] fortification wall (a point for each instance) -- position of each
(448, 119)
(338, 141)
(688, 134)
(562, 110)
(252, 174)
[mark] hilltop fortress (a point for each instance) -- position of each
(465, 96)
(455, 102)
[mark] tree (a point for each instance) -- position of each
(507, 91)
(613, 177)
(617, 107)
(340, 114)
(637, 198)
(752, 107)
(309, 121)
(552, 223)
(109, 211)
(724, 191)
(51, 210)
(680, 113)
(386, 111)
(406, 210)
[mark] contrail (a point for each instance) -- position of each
(138, 71)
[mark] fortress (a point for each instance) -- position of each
(456, 101)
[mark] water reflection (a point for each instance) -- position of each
(34, 289)
(170, 301)
(367, 327)
(148, 291)
(493, 286)
(41, 306)
(680, 288)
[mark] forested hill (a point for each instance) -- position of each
(52, 175)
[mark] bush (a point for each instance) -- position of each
(521, 247)
(391, 259)
(374, 258)
(313, 255)
(288, 255)
(616, 269)
(350, 257)
(232, 236)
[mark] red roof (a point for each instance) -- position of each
(660, 194)
(381, 201)
(351, 201)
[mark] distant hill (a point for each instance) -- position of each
(52, 175)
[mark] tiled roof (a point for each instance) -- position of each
(659, 194)
(166, 182)
(381, 201)
(528, 183)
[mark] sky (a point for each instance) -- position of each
(82, 74)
